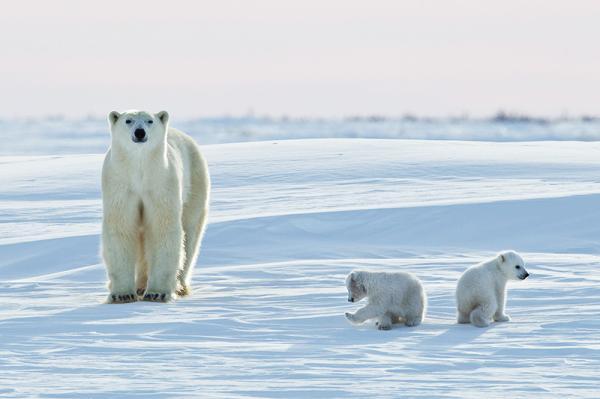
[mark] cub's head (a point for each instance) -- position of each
(138, 127)
(512, 265)
(356, 287)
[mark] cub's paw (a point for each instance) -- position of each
(502, 318)
(121, 298)
(156, 297)
(350, 317)
(463, 318)
(383, 326)
(412, 322)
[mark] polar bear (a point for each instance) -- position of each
(481, 290)
(155, 193)
(393, 298)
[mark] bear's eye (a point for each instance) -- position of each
(517, 267)
(128, 121)
(150, 122)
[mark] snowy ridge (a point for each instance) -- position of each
(59, 135)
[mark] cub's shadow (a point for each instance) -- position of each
(454, 334)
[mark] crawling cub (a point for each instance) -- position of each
(481, 290)
(393, 298)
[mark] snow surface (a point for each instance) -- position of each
(289, 220)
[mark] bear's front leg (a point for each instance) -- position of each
(364, 314)
(119, 253)
(499, 315)
(385, 322)
(164, 251)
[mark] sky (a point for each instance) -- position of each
(326, 58)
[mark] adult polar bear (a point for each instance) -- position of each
(155, 192)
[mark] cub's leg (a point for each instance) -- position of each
(385, 322)
(413, 321)
(463, 318)
(500, 315)
(365, 313)
(414, 314)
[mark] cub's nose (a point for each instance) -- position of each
(525, 276)
(139, 133)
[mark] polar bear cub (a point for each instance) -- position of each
(481, 290)
(393, 298)
(155, 192)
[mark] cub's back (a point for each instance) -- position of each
(474, 285)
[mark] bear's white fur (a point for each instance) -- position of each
(481, 290)
(155, 192)
(393, 298)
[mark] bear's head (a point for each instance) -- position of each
(135, 128)
(512, 265)
(356, 287)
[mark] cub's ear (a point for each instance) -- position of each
(113, 117)
(163, 116)
(352, 277)
(501, 258)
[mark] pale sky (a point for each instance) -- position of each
(300, 58)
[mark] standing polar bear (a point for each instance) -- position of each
(481, 290)
(393, 298)
(155, 192)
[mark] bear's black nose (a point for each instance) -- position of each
(139, 134)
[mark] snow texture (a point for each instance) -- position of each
(289, 221)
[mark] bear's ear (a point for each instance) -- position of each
(113, 117)
(352, 277)
(163, 116)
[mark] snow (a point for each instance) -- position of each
(61, 135)
(289, 220)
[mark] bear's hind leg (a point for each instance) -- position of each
(194, 222)
(141, 268)
(384, 322)
(482, 314)
(413, 321)
(141, 277)
(463, 318)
